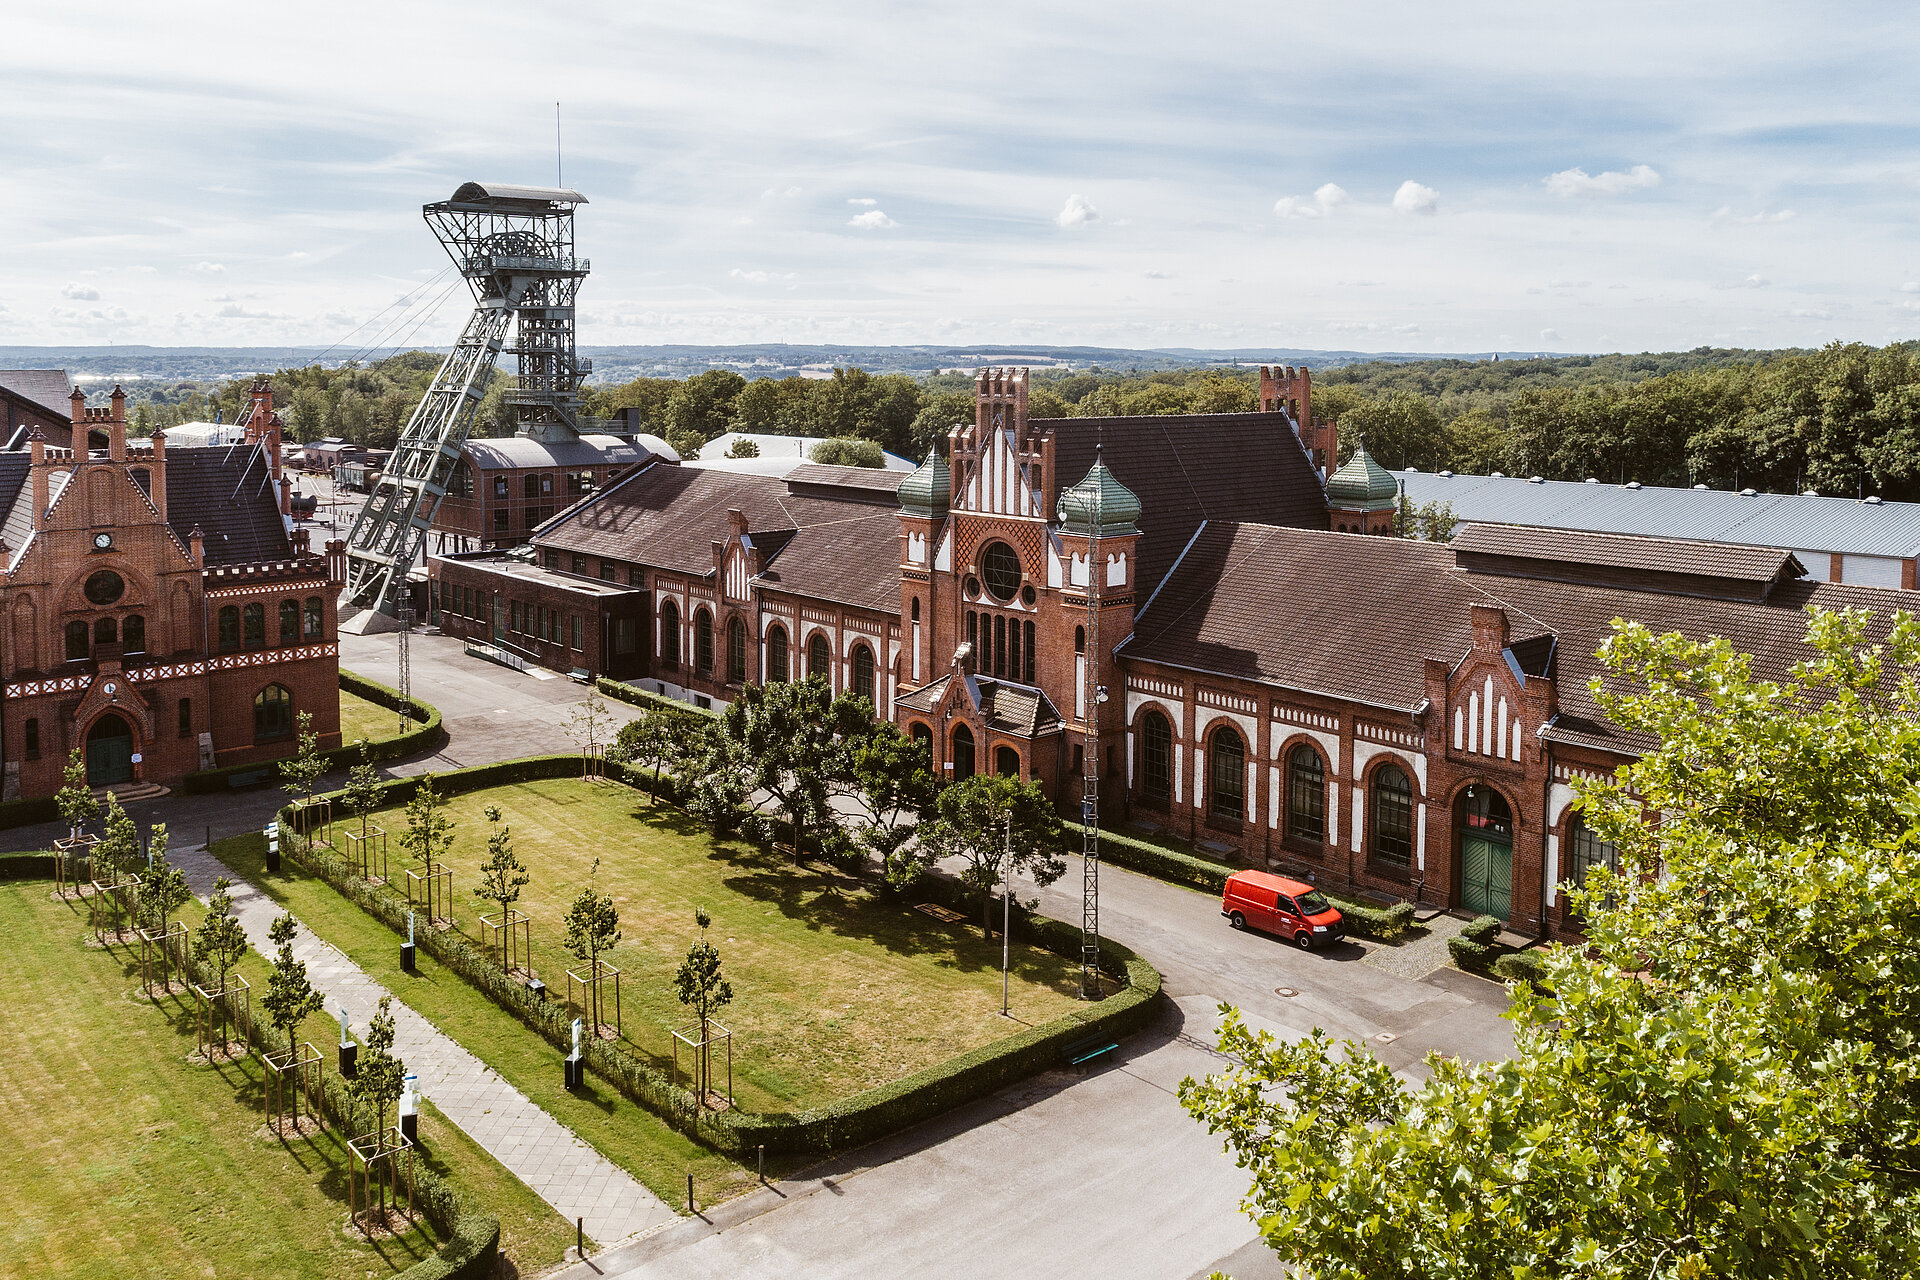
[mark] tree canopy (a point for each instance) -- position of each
(1726, 1083)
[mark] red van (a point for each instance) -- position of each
(1274, 904)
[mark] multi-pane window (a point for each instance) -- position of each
(254, 625)
(316, 617)
(33, 738)
(736, 651)
(863, 682)
(1587, 849)
(962, 753)
(186, 717)
(502, 520)
(580, 565)
(776, 655)
(703, 642)
(819, 658)
(1306, 795)
(133, 634)
(289, 621)
(579, 642)
(1226, 775)
(1156, 757)
(669, 634)
(1392, 817)
(229, 630)
(272, 714)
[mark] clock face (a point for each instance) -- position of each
(102, 540)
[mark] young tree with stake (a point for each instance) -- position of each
(303, 769)
(378, 1079)
(362, 792)
(429, 832)
(75, 797)
(501, 877)
(703, 989)
(164, 892)
(117, 854)
(290, 997)
(221, 942)
(593, 926)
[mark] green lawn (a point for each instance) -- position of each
(835, 990)
(362, 719)
(125, 1160)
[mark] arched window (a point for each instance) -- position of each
(106, 631)
(1028, 670)
(289, 621)
(703, 642)
(1156, 757)
(1392, 818)
(1000, 646)
(316, 613)
(1079, 639)
(924, 736)
(1226, 775)
(254, 625)
(776, 655)
(1000, 566)
(1586, 849)
(669, 634)
(133, 634)
(1006, 762)
(736, 651)
(962, 753)
(272, 714)
(229, 627)
(916, 608)
(819, 658)
(1306, 795)
(79, 641)
(863, 672)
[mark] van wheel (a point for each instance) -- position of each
(1303, 940)
(1237, 920)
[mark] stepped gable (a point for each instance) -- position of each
(1189, 468)
(1363, 613)
(843, 547)
(228, 491)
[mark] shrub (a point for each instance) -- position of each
(27, 813)
(1521, 966)
(1483, 930)
(1468, 954)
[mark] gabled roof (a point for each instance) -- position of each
(1361, 615)
(1701, 568)
(228, 491)
(1019, 710)
(1186, 468)
(48, 388)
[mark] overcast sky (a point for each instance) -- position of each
(1380, 176)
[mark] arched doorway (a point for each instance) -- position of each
(1486, 852)
(962, 754)
(109, 751)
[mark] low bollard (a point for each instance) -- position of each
(690, 1208)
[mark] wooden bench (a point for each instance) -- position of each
(1080, 1052)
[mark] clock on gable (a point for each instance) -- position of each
(103, 542)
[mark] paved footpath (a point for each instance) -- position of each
(540, 1151)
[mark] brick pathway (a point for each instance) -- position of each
(539, 1150)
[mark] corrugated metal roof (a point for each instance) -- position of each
(497, 453)
(1792, 521)
(476, 192)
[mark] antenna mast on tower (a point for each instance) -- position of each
(1096, 694)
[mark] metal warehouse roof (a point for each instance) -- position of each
(498, 453)
(1845, 525)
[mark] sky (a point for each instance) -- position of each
(1370, 176)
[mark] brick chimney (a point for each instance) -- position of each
(197, 547)
(159, 474)
(1489, 625)
(37, 447)
(117, 426)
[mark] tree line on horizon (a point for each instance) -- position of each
(1843, 420)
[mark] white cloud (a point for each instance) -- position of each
(758, 277)
(1077, 212)
(81, 293)
(1326, 198)
(1549, 335)
(210, 268)
(1725, 214)
(1578, 182)
(866, 201)
(1911, 286)
(1809, 313)
(871, 220)
(1412, 197)
(234, 311)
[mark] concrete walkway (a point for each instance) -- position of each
(567, 1173)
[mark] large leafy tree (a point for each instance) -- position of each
(793, 738)
(890, 780)
(986, 820)
(1727, 1083)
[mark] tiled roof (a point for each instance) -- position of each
(229, 492)
(15, 524)
(1186, 468)
(1019, 710)
(870, 484)
(47, 388)
(1354, 617)
(1575, 547)
(668, 517)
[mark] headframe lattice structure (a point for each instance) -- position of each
(514, 246)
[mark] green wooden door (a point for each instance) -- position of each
(1486, 875)
(109, 759)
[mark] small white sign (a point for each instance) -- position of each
(136, 757)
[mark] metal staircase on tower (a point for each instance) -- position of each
(514, 246)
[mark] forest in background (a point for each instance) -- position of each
(1844, 420)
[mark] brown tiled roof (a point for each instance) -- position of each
(1354, 617)
(873, 483)
(1186, 468)
(669, 517)
(47, 388)
(227, 490)
(1575, 549)
(1019, 710)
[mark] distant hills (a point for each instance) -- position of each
(756, 360)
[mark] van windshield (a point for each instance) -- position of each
(1312, 904)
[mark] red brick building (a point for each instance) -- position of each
(1374, 714)
(157, 611)
(502, 489)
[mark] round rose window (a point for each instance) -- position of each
(105, 587)
(1000, 566)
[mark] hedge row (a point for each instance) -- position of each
(470, 1242)
(845, 1122)
(28, 865)
(424, 737)
(28, 813)
(672, 708)
(1365, 920)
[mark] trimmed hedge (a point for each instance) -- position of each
(1521, 966)
(844, 1122)
(673, 708)
(28, 813)
(470, 1244)
(1381, 923)
(28, 865)
(426, 736)
(1474, 948)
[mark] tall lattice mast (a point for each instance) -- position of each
(514, 246)
(1090, 779)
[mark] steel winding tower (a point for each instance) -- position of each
(515, 247)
